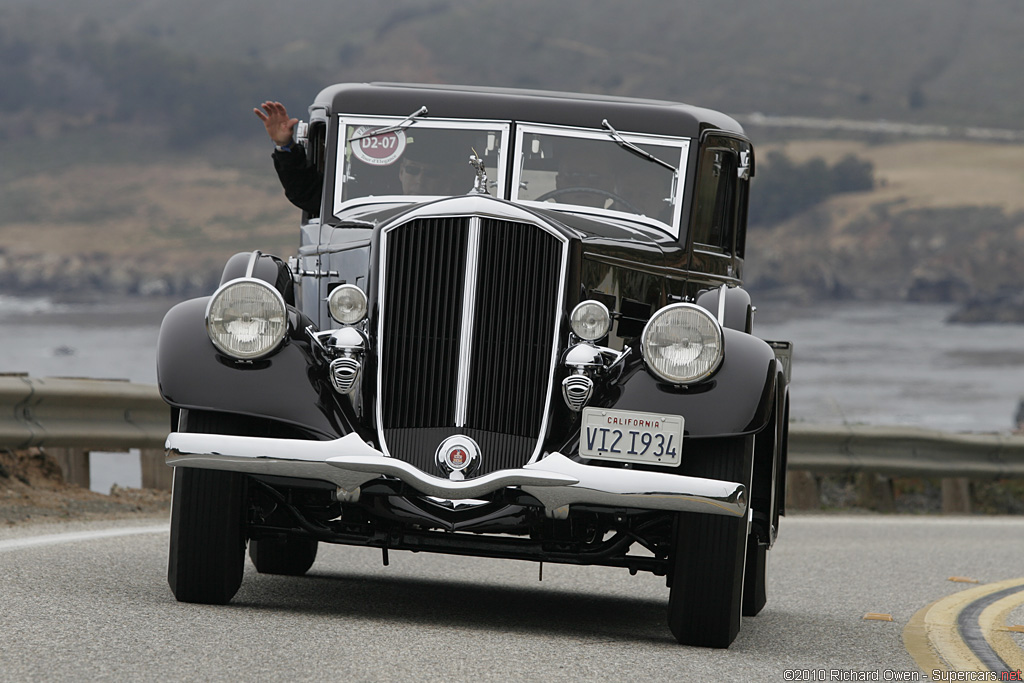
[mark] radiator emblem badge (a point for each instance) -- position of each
(457, 456)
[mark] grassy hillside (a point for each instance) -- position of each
(932, 174)
(945, 222)
(138, 227)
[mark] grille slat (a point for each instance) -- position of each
(516, 289)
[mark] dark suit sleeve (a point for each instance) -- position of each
(302, 183)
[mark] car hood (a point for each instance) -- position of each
(600, 236)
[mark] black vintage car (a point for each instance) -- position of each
(513, 329)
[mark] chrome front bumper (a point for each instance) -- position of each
(555, 480)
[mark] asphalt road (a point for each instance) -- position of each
(100, 609)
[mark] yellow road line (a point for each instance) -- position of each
(915, 640)
(932, 636)
(993, 624)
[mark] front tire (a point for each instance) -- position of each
(207, 552)
(709, 553)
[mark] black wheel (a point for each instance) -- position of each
(207, 552)
(709, 554)
(288, 557)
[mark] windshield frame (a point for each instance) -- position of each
(678, 188)
(497, 183)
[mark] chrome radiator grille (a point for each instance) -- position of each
(468, 322)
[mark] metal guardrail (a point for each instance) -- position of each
(904, 451)
(83, 413)
(104, 414)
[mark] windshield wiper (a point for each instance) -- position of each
(627, 145)
(401, 125)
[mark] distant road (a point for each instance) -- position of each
(98, 606)
(882, 126)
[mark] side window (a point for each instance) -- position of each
(715, 220)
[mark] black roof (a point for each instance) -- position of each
(539, 106)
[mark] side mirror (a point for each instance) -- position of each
(743, 171)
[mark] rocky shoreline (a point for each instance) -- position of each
(968, 257)
(33, 490)
(1001, 307)
(98, 275)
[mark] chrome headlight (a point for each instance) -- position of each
(682, 343)
(347, 304)
(246, 319)
(590, 320)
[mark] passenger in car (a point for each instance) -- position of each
(434, 162)
(302, 183)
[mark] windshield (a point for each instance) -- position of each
(591, 171)
(415, 159)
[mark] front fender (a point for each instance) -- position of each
(736, 400)
(283, 387)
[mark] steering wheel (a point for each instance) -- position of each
(589, 190)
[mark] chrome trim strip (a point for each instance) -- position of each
(721, 304)
(556, 340)
(468, 319)
(251, 267)
(556, 481)
(381, 341)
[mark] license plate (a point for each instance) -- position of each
(629, 436)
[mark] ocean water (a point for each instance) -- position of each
(899, 364)
(113, 340)
(857, 363)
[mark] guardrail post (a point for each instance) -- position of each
(74, 464)
(956, 495)
(803, 490)
(156, 474)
